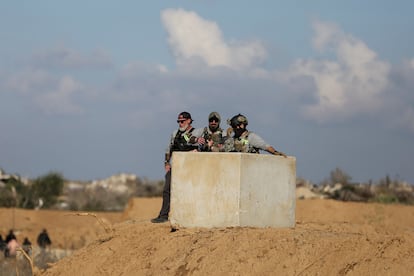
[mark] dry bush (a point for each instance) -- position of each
(101, 199)
(352, 192)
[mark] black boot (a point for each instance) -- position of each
(159, 220)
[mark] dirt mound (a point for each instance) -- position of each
(330, 238)
(142, 208)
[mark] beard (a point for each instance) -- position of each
(183, 128)
(213, 128)
(238, 132)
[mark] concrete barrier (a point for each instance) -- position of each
(232, 189)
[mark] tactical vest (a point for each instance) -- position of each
(181, 140)
(216, 137)
(240, 144)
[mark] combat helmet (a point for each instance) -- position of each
(237, 120)
(214, 115)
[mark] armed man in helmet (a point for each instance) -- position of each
(182, 139)
(244, 140)
(212, 136)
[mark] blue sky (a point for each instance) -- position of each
(93, 88)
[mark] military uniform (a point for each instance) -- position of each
(216, 137)
(244, 140)
(212, 133)
(248, 142)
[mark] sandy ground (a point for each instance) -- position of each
(330, 238)
(67, 230)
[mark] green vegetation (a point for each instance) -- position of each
(386, 190)
(47, 188)
(41, 192)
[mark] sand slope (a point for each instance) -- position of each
(330, 238)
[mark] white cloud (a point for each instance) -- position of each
(352, 84)
(60, 101)
(63, 57)
(192, 37)
(50, 94)
(29, 80)
(137, 68)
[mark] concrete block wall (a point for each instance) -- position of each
(232, 189)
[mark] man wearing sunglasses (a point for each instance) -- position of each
(182, 139)
(244, 140)
(212, 136)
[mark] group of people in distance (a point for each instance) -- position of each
(10, 245)
(209, 139)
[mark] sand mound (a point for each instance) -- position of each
(330, 238)
(142, 208)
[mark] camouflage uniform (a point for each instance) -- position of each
(213, 133)
(248, 141)
(216, 137)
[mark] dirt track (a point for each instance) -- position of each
(330, 238)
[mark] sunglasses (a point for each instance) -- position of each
(213, 120)
(181, 121)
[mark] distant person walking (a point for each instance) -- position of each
(3, 244)
(43, 239)
(11, 249)
(27, 246)
(10, 236)
(1, 240)
(11, 244)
